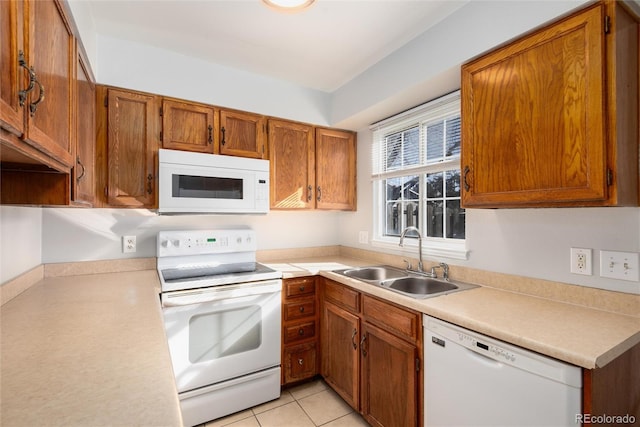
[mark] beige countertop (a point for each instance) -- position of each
(87, 350)
(579, 335)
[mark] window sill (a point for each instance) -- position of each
(430, 248)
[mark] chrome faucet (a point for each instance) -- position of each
(404, 232)
(445, 271)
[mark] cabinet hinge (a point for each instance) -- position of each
(106, 101)
(609, 177)
(160, 111)
(607, 24)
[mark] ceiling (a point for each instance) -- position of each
(321, 48)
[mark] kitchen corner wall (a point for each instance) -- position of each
(525, 242)
(20, 240)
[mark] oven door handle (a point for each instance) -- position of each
(206, 295)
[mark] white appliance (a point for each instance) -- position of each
(209, 183)
(474, 380)
(222, 314)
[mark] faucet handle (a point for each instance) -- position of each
(433, 272)
(408, 264)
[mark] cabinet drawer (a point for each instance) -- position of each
(299, 332)
(300, 362)
(299, 309)
(342, 295)
(303, 286)
(391, 318)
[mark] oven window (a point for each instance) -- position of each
(206, 187)
(224, 333)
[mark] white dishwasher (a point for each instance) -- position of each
(473, 380)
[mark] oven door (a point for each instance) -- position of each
(216, 334)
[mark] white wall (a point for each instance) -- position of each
(94, 234)
(20, 240)
(527, 242)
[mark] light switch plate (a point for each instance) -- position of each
(619, 265)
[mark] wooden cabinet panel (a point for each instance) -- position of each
(299, 308)
(51, 52)
(541, 136)
(83, 174)
(188, 126)
(299, 331)
(12, 79)
(335, 169)
(300, 362)
(394, 319)
(132, 140)
(389, 387)
(292, 161)
(340, 356)
(242, 134)
(298, 287)
(341, 295)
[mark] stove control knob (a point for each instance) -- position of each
(176, 243)
(239, 240)
(166, 243)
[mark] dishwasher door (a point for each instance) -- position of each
(473, 380)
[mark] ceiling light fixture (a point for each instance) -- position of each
(289, 5)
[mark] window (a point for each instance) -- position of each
(416, 177)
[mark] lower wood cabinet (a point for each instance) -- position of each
(371, 355)
(299, 330)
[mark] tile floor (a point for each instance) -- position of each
(307, 405)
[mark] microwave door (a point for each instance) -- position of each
(187, 188)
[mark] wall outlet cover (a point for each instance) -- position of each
(620, 265)
(128, 244)
(581, 261)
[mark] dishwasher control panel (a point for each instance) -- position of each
(497, 351)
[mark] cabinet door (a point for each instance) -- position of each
(12, 79)
(187, 126)
(389, 384)
(340, 357)
(51, 52)
(242, 134)
(83, 176)
(133, 132)
(335, 169)
(299, 362)
(292, 161)
(533, 112)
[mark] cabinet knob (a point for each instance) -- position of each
(300, 361)
(300, 331)
(301, 288)
(301, 309)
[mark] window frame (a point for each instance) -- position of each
(432, 111)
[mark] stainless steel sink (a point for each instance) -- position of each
(404, 282)
(374, 274)
(420, 286)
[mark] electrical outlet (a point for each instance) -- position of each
(619, 265)
(581, 261)
(128, 244)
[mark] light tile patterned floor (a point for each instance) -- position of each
(307, 405)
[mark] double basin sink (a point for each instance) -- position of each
(404, 282)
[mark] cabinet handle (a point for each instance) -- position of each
(301, 309)
(301, 331)
(34, 105)
(223, 131)
(22, 95)
(301, 288)
(210, 134)
(300, 361)
(319, 193)
(82, 166)
(464, 178)
(362, 349)
(149, 187)
(353, 335)
(309, 195)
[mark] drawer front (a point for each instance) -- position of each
(342, 295)
(299, 332)
(303, 286)
(300, 362)
(391, 318)
(299, 309)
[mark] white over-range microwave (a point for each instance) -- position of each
(209, 183)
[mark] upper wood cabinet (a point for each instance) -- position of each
(311, 168)
(83, 174)
(551, 119)
(128, 132)
(188, 126)
(38, 86)
(292, 161)
(242, 134)
(335, 169)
